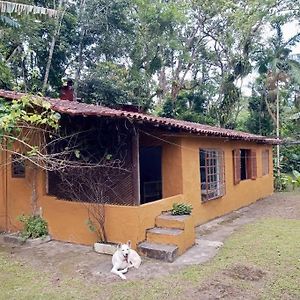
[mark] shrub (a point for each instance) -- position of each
(34, 227)
(290, 158)
(282, 182)
(181, 209)
(295, 179)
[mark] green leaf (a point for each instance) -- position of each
(77, 153)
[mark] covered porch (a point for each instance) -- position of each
(149, 163)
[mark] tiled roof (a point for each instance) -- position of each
(74, 108)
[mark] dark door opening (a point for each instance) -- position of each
(150, 174)
(245, 164)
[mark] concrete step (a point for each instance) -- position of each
(160, 235)
(165, 231)
(158, 251)
(170, 221)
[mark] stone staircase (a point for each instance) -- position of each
(171, 236)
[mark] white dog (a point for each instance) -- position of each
(124, 259)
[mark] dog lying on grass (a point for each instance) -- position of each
(124, 259)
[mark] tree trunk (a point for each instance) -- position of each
(59, 19)
(80, 48)
(162, 85)
(78, 71)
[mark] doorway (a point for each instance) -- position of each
(150, 173)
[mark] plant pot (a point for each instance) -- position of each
(38, 241)
(16, 238)
(105, 248)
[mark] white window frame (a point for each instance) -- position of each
(213, 185)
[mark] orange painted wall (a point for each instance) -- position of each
(67, 220)
(130, 223)
(172, 168)
(2, 192)
(171, 162)
(242, 194)
(181, 182)
(15, 194)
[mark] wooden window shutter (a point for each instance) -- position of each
(236, 166)
(253, 164)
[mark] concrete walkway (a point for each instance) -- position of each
(211, 235)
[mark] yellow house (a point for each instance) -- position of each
(171, 161)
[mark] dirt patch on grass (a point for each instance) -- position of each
(231, 285)
(279, 205)
(245, 273)
(214, 290)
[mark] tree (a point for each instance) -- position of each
(105, 70)
(189, 106)
(259, 120)
(24, 10)
(279, 69)
(111, 84)
(144, 52)
(57, 28)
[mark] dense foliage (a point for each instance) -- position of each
(34, 227)
(26, 113)
(190, 60)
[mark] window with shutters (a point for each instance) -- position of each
(211, 174)
(265, 162)
(244, 164)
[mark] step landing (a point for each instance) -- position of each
(165, 231)
(163, 252)
(171, 221)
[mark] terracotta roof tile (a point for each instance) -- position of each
(76, 108)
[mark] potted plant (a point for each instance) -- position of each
(179, 209)
(34, 232)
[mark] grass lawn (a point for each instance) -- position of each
(260, 261)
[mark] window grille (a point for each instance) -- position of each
(17, 166)
(212, 173)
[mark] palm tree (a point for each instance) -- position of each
(278, 67)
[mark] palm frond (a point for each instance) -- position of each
(19, 8)
(293, 40)
(295, 57)
(295, 116)
(294, 67)
(9, 21)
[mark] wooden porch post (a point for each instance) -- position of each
(136, 168)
